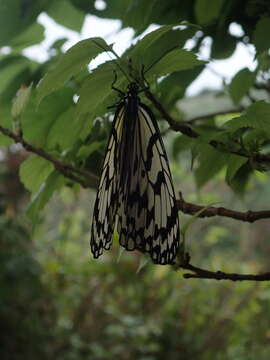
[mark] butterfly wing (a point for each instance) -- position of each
(106, 203)
(148, 214)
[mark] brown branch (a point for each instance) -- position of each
(187, 130)
(199, 273)
(67, 170)
(248, 216)
(175, 125)
(220, 275)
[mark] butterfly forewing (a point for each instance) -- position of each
(106, 203)
(136, 185)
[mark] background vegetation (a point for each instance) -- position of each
(56, 301)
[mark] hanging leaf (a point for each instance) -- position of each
(175, 60)
(206, 13)
(63, 12)
(211, 162)
(235, 162)
(34, 171)
(70, 64)
(260, 38)
(240, 84)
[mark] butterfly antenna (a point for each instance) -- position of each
(121, 93)
(145, 82)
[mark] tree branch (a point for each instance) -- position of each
(220, 275)
(198, 273)
(187, 130)
(175, 125)
(66, 169)
(248, 216)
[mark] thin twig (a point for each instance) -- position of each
(187, 130)
(248, 216)
(199, 273)
(66, 169)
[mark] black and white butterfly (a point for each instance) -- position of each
(136, 186)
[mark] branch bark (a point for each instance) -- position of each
(248, 216)
(198, 273)
(67, 170)
(220, 275)
(187, 130)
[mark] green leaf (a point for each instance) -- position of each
(34, 34)
(256, 116)
(150, 39)
(240, 180)
(260, 38)
(20, 101)
(181, 143)
(264, 61)
(15, 70)
(87, 150)
(16, 16)
(11, 70)
(70, 64)
(235, 162)
(63, 12)
(254, 139)
(173, 87)
(99, 84)
(57, 45)
(137, 14)
(43, 195)
(211, 162)
(224, 45)
(5, 121)
(175, 60)
(65, 130)
(205, 12)
(158, 43)
(240, 84)
(34, 171)
(37, 122)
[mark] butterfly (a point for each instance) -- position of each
(136, 186)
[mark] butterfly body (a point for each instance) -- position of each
(136, 186)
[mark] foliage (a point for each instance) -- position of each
(104, 309)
